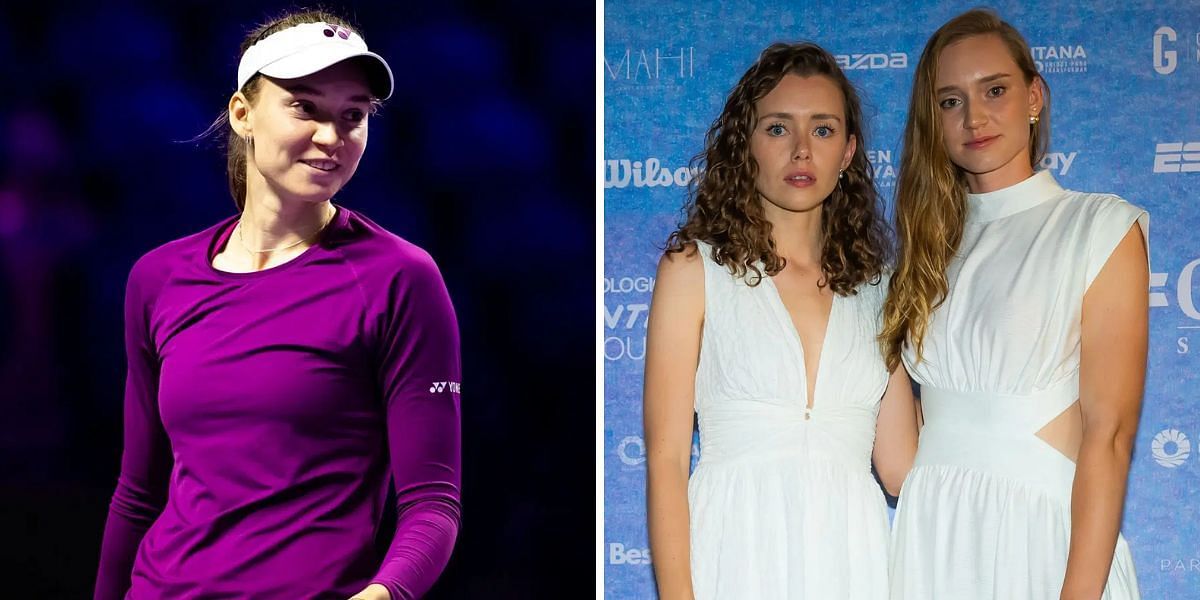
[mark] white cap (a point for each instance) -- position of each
(308, 48)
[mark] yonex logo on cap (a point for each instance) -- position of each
(309, 47)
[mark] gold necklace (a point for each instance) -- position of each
(242, 241)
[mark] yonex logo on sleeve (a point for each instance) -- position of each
(441, 386)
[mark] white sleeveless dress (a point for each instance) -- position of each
(783, 504)
(985, 513)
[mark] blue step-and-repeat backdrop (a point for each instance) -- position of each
(1125, 84)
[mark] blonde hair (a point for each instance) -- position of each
(931, 203)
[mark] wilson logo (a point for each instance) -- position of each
(623, 173)
(441, 386)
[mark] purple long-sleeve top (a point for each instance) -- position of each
(266, 413)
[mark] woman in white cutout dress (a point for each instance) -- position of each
(764, 323)
(1034, 358)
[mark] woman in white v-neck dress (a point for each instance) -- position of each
(763, 323)
(1031, 356)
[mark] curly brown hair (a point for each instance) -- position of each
(724, 207)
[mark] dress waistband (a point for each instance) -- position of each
(760, 429)
(997, 413)
(995, 434)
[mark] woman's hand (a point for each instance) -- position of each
(373, 592)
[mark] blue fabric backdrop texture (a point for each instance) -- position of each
(1124, 82)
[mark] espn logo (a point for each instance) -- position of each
(1177, 157)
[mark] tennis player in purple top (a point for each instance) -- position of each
(287, 364)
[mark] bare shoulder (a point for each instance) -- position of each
(681, 269)
(1128, 260)
(1121, 284)
(1133, 242)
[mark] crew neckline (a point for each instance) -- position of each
(224, 231)
(1013, 199)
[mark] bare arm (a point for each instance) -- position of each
(672, 354)
(895, 432)
(1112, 373)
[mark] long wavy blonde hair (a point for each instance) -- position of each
(931, 203)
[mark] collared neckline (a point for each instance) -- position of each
(1013, 199)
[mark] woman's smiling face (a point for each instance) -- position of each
(308, 133)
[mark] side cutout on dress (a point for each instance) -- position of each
(1064, 433)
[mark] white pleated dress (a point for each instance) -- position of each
(782, 503)
(985, 513)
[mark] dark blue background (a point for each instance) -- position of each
(484, 157)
